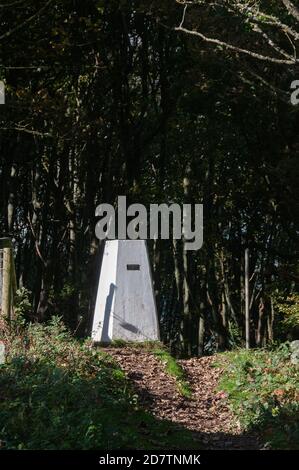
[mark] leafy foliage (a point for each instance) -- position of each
(263, 389)
(287, 308)
(58, 393)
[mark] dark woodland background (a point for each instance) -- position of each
(106, 99)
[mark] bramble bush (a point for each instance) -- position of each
(287, 316)
(263, 390)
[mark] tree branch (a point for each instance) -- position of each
(31, 18)
(291, 9)
(236, 48)
(256, 19)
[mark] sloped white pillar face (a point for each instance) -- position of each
(125, 306)
(103, 315)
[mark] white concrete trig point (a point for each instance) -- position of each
(125, 306)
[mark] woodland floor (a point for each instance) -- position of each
(206, 413)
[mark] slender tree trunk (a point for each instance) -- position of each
(11, 200)
(187, 313)
(201, 334)
(270, 321)
(247, 319)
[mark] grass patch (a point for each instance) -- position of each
(175, 370)
(263, 390)
(144, 345)
(59, 393)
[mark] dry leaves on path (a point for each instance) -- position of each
(206, 413)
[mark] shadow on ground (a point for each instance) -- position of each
(43, 406)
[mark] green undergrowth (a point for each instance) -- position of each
(144, 345)
(175, 370)
(59, 393)
(263, 390)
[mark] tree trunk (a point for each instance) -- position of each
(247, 319)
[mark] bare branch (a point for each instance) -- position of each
(291, 9)
(283, 95)
(236, 48)
(184, 15)
(273, 45)
(21, 25)
(253, 16)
